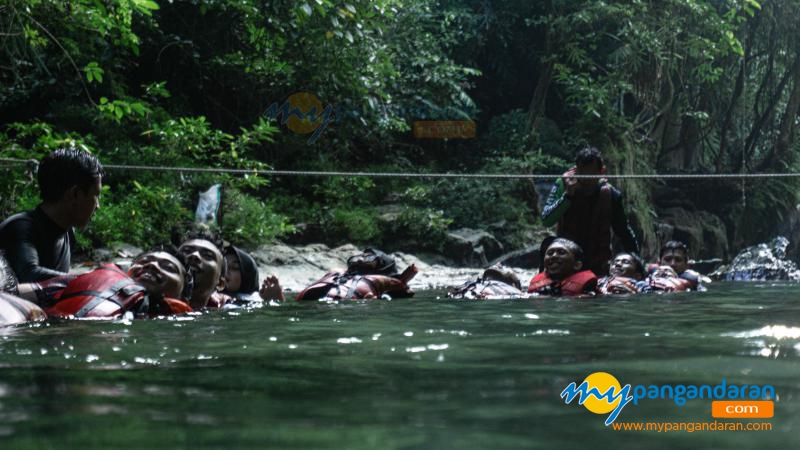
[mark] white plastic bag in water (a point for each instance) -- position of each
(208, 205)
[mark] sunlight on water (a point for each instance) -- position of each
(419, 373)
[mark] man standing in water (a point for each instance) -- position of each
(587, 209)
(37, 243)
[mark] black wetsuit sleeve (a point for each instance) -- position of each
(622, 228)
(557, 204)
(23, 256)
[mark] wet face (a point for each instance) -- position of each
(160, 273)
(623, 266)
(586, 185)
(560, 262)
(234, 274)
(206, 263)
(676, 259)
(85, 202)
(664, 271)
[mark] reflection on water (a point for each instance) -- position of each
(423, 373)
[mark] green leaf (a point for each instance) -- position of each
(145, 5)
(307, 9)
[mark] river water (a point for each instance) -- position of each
(402, 374)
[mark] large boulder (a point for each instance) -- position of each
(471, 248)
(704, 232)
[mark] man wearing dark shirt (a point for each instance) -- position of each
(587, 209)
(37, 243)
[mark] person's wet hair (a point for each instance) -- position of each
(588, 156)
(188, 276)
(502, 273)
(674, 246)
(64, 168)
(371, 261)
(8, 280)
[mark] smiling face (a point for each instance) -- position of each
(160, 273)
(206, 263)
(676, 259)
(624, 266)
(560, 261)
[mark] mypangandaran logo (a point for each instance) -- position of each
(602, 393)
(302, 113)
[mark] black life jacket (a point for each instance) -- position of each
(346, 286)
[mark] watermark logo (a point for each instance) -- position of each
(304, 113)
(602, 393)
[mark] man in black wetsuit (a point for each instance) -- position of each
(37, 243)
(587, 209)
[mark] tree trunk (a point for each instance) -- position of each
(786, 131)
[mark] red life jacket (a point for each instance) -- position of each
(341, 286)
(108, 292)
(15, 310)
(669, 284)
(587, 222)
(611, 285)
(572, 286)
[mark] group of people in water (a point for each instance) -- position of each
(203, 272)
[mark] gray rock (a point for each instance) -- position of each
(704, 232)
(526, 258)
(471, 248)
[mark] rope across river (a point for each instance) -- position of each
(318, 173)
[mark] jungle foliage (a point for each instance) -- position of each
(670, 86)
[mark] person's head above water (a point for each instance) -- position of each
(627, 265)
(676, 255)
(242, 271)
(162, 271)
(562, 258)
(371, 262)
(207, 264)
(70, 181)
(589, 161)
(503, 274)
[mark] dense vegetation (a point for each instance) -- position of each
(660, 86)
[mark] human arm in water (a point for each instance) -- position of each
(23, 256)
(45, 292)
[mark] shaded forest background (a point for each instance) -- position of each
(668, 86)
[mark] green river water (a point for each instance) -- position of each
(403, 374)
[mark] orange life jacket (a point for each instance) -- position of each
(15, 310)
(572, 286)
(341, 286)
(109, 292)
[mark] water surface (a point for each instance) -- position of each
(403, 374)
